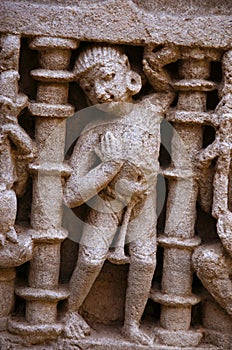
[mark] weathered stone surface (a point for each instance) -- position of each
(115, 222)
(122, 21)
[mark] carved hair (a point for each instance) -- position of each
(98, 55)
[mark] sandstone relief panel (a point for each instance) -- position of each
(115, 182)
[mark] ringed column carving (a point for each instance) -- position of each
(50, 109)
(179, 238)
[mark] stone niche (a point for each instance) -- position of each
(115, 220)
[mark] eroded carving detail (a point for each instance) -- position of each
(115, 165)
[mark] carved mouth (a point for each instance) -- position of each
(109, 99)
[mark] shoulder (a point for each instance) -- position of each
(157, 102)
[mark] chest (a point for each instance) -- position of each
(135, 139)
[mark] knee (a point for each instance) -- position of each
(91, 258)
(143, 252)
(209, 260)
(144, 262)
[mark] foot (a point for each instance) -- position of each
(135, 335)
(12, 235)
(75, 326)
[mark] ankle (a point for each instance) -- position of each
(131, 324)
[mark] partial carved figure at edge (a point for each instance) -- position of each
(15, 145)
(213, 261)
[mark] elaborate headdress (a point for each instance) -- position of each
(98, 54)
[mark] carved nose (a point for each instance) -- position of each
(100, 92)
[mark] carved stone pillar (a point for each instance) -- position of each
(179, 240)
(50, 110)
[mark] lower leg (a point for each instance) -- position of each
(83, 277)
(139, 285)
(81, 282)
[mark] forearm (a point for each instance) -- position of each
(80, 189)
(221, 184)
(20, 138)
(208, 154)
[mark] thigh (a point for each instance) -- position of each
(100, 227)
(143, 224)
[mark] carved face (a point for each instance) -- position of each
(113, 82)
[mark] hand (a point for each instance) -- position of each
(158, 58)
(154, 63)
(26, 157)
(29, 156)
(110, 148)
(204, 157)
(130, 187)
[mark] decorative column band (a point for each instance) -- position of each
(172, 299)
(51, 169)
(50, 109)
(195, 85)
(188, 117)
(55, 55)
(44, 298)
(182, 243)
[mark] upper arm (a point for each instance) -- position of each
(83, 157)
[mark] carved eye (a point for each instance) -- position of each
(88, 87)
(109, 76)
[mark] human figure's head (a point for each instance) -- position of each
(105, 75)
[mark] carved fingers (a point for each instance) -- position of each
(110, 147)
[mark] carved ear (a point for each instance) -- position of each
(134, 82)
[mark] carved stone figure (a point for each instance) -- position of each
(127, 145)
(11, 103)
(11, 132)
(142, 279)
(213, 261)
